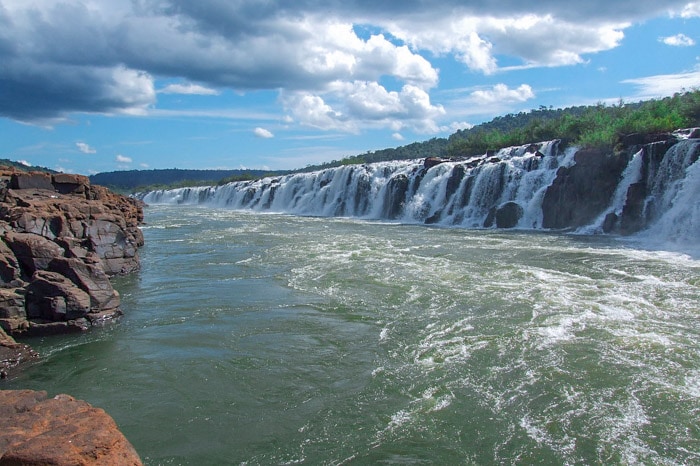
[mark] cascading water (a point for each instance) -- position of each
(505, 189)
(460, 193)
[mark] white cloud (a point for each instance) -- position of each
(502, 93)
(85, 148)
(679, 40)
(263, 133)
(189, 89)
(350, 106)
(101, 57)
(456, 126)
(691, 10)
(397, 136)
(25, 163)
(665, 84)
(123, 159)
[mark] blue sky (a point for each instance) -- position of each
(89, 86)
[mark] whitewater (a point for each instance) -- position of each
(502, 189)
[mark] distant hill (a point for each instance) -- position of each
(131, 180)
(24, 167)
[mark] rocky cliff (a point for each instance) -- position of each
(61, 239)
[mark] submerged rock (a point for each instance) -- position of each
(37, 430)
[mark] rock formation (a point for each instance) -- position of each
(60, 241)
(12, 354)
(37, 430)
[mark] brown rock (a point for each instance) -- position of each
(67, 238)
(35, 430)
(34, 252)
(89, 278)
(54, 297)
(9, 266)
(31, 181)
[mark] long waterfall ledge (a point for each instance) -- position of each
(648, 185)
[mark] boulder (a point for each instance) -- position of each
(34, 252)
(89, 278)
(508, 215)
(37, 430)
(51, 296)
(9, 265)
(34, 180)
(430, 162)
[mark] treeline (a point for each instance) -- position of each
(144, 180)
(23, 167)
(600, 126)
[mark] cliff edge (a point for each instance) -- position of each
(61, 239)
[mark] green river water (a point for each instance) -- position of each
(273, 339)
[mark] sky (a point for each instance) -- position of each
(89, 86)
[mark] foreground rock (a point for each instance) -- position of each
(37, 430)
(61, 239)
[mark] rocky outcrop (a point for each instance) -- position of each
(60, 240)
(579, 193)
(37, 430)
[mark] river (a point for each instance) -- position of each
(261, 338)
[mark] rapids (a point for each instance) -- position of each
(254, 338)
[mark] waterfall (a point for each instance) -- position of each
(505, 189)
(672, 208)
(463, 193)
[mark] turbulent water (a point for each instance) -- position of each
(254, 338)
(508, 189)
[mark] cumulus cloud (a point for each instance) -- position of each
(397, 136)
(101, 56)
(85, 148)
(502, 93)
(263, 133)
(691, 10)
(350, 106)
(122, 159)
(679, 40)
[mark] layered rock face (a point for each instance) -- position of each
(60, 241)
(37, 430)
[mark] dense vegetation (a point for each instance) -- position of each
(592, 126)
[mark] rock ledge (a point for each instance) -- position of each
(37, 430)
